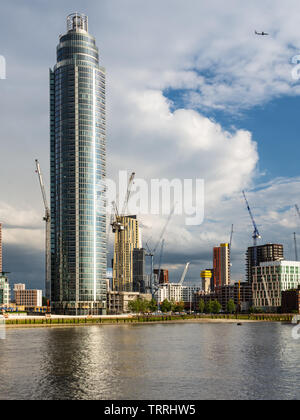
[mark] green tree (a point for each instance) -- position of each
(216, 307)
(231, 306)
(178, 307)
(208, 307)
(132, 306)
(138, 305)
(201, 306)
(152, 305)
(166, 306)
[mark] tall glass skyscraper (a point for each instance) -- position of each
(78, 171)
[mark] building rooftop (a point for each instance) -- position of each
(279, 262)
(77, 22)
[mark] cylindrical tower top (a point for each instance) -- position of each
(77, 22)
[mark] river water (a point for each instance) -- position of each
(171, 361)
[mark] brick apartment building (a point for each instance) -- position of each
(28, 298)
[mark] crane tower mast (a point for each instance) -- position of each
(47, 220)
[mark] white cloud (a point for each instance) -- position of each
(181, 144)
(21, 226)
(204, 48)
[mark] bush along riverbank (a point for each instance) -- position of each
(43, 321)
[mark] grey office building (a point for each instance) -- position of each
(139, 271)
(78, 171)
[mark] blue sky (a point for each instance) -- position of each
(275, 126)
(233, 120)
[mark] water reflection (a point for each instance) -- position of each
(184, 361)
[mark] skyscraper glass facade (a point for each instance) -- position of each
(78, 171)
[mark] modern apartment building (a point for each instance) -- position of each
(221, 259)
(270, 279)
(4, 290)
(260, 254)
(78, 172)
(175, 292)
(189, 291)
(170, 292)
(29, 298)
(126, 240)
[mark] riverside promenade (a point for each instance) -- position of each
(13, 321)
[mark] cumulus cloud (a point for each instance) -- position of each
(183, 143)
(21, 226)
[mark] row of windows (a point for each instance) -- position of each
(73, 43)
(68, 66)
(64, 160)
(77, 37)
(66, 121)
(69, 112)
(279, 270)
(69, 52)
(68, 148)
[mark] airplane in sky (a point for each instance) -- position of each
(261, 33)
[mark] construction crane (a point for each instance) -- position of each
(239, 296)
(256, 235)
(165, 228)
(230, 242)
(160, 258)
(159, 268)
(47, 219)
(151, 253)
(128, 193)
(296, 248)
(231, 237)
(116, 221)
(297, 209)
(184, 273)
(295, 237)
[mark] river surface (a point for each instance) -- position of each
(171, 361)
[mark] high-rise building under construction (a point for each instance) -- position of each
(261, 254)
(126, 241)
(221, 258)
(78, 171)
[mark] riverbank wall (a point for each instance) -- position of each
(142, 319)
